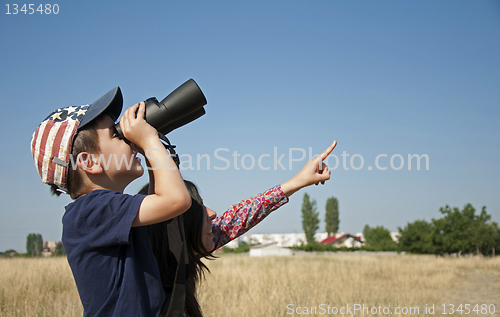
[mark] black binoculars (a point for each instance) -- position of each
(181, 106)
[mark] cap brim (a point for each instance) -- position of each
(111, 102)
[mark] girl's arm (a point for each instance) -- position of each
(243, 216)
(246, 214)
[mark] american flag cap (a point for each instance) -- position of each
(52, 142)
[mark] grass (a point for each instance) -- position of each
(38, 287)
(276, 286)
(244, 286)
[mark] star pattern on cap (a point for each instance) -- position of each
(57, 116)
(81, 112)
(69, 113)
(71, 109)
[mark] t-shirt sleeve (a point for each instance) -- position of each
(108, 218)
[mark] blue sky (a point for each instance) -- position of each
(380, 77)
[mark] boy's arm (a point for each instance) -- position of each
(171, 197)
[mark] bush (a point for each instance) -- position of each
(242, 248)
(379, 238)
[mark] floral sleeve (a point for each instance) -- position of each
(243, 216)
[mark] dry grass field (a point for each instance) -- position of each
(313, 285)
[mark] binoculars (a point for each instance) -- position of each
(181, 106)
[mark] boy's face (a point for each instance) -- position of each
(118, 159)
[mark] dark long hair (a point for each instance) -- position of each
(193, 227)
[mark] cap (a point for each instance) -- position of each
(52, 142)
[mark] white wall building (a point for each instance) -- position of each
(294, 239)
(270, 250)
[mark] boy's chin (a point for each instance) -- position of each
(136, 173)
(140, 171)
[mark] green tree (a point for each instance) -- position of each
(416, 237)
(310, 218)
(34, 244)
(60, 250)
(9, 253)
(462, 231)
(332, 216)
(378, 238)
(487, 238)
(486, 234)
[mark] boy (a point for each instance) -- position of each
(77, 151)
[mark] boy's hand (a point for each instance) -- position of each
(169, 197)
(313, 172)
(136, 129)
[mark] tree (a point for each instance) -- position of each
(60, 250)
(310, 219)
(379, 238)
(486, 234)
(487, 238)
(34, 244)
(464, 231)
(332, 216)
(416, 237)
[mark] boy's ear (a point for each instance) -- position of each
(87, 162)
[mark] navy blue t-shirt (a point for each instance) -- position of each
(113, 264)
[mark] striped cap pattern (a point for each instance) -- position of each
(52, 142)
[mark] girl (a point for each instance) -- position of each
(204, 232)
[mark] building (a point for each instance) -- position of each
(346, 240)
(50, 247)
(340, 239)
(293, 239)
(280, 239)
(270, 250)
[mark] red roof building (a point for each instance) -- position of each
(342, 240)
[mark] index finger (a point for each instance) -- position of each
(141, 111)
(131, 111)
(328, 150)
